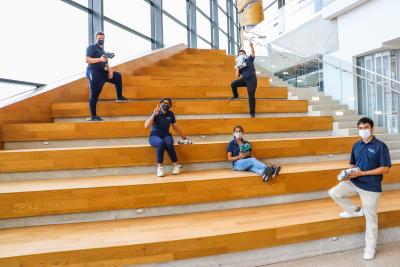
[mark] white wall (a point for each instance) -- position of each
(363, 30)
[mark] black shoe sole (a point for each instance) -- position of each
(267, 174)
(276, 172)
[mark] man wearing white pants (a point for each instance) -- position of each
(372, 157)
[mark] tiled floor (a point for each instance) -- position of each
(388, 255)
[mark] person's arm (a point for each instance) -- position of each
(237, 73)
(110, 71)
(150, 120)
(178, 131)
(240, 156)
(253, 54)
(94, 60)
(377, 171)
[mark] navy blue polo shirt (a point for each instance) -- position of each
(234, 148)
(161, 123)
(249, 72)
(95, 51)
(367, 157)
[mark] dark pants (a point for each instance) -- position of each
(162, 143)
(97, 78)
(251, 91)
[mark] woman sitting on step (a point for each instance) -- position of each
(160, 138)
(239, 152)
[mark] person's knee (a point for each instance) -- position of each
(333, 193)
(233, 84)
(117, 75)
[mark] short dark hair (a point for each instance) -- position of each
(99, 33)
(166, 98)
(238, 126)
(366, 120)
(241, 50)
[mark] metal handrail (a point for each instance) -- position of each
(313, 56)
(328, 63)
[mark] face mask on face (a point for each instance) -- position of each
(165, 107)
(100, 42)
(237, 135)
(365, 134)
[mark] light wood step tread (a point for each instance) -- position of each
(184, 236)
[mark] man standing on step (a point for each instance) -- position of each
(372, 157)
(246, 73)
(99, 72)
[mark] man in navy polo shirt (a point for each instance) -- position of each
(372, 157)
(99, 72)
(247, 77)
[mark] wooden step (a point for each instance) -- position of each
(192, 51)
(71, 195)
(140, 92)
(154, 81)
(180, 107)
(118, 129)
(144, 155)
(197, 70)
(168, 238)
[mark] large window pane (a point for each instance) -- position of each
(223, 41)
(222, 4)
(203, 26)
(222, 21)
(202, 44)
(173, 33)
(204, 5)
(124, 44)
(134, 14)
(177, 8)
(43, 41)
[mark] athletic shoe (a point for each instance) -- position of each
(347, 215)
(369, 253)
(233, 98)
(177, 169)
(160, 172)
(122, 99)
(275, 171)
(266, 174)
(95, 118)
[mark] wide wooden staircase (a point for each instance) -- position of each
(78, 193)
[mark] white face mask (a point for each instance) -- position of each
(365, 134)
(237, 135)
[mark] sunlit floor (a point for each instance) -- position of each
(387, 256)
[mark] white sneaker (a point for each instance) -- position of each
(347, 215)
(177, 169)
(369, 253)
(160, 172)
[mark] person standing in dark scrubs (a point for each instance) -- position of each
(99, 72)
(247, 77)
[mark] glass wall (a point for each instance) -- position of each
(42, 41)
(49, 44)
(376, 99)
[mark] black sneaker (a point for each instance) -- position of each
(122, 99)
(233, 98)
(266, 174)
(95, 118)
(275, 171)
(252, 115)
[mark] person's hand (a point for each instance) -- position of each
(242, 155)
(103, 59)
(354, 175)
(156, 110)
(110, 74)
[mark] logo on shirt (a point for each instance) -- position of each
(371, 150)
(168, 118)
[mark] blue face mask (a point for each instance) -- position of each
(100, 42)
